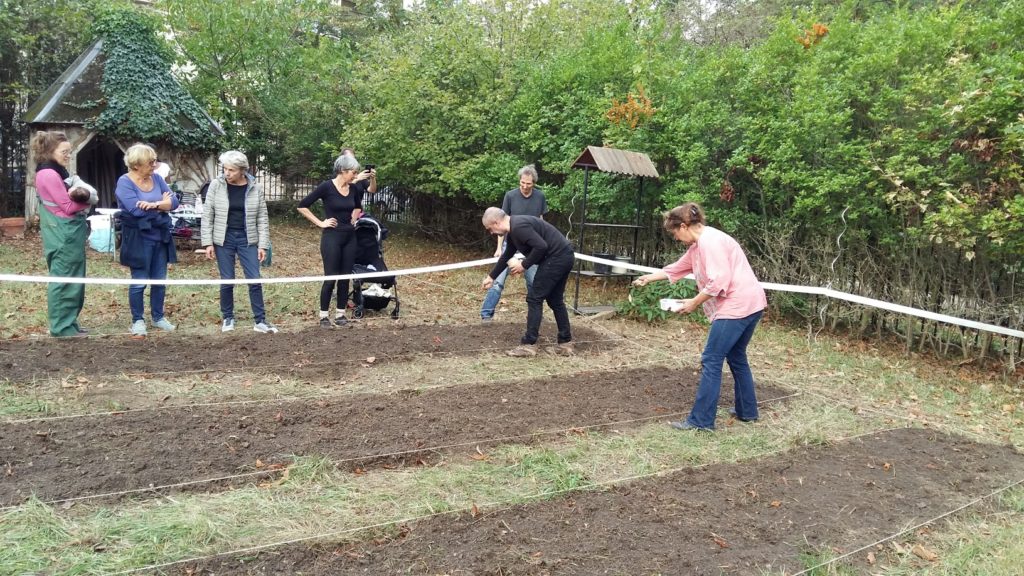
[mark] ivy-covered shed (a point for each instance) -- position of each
(118, 92)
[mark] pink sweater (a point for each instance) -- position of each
(51, 189)
(722, 272)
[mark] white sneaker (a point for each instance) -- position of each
(265, 328)
(138, 328)
(164, 324)
(228, 325)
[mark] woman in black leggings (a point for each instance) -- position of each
(343, 204)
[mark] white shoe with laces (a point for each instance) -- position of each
(138, 328)
(265, 328)
(228, 325)
(164, 324)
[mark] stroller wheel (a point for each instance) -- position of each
(357, 313)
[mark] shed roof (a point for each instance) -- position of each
(616, 161)
(76, 96)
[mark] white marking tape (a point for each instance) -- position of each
(207, 282)
(899, 309)
(881, 304)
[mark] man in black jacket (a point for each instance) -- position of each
(541, 244)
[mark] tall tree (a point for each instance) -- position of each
(38, 40)
(276, 74)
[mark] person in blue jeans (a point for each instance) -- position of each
(236, 224)
(526, 200)
(731, 297)
(146, 243)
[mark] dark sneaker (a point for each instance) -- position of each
(325, 323)
(685, 425)
(340, 321)
(732, 412)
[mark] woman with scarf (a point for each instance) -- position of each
(63, 229)
(146, 243)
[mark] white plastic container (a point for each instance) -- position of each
(669, 304)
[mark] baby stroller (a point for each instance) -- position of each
(372, 293)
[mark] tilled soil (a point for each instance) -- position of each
(317, 353)
(66, 458)
(741, 518)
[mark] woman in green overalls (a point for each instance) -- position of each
(63, 229)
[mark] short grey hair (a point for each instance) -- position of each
(493, 214)
(530, 171)
(236, 159)
(345, 162)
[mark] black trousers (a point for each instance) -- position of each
(549, 286)
(338, 250)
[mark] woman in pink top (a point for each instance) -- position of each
(63, 230)
(732, 299)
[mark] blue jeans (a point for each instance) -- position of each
(727, 341)
(493, 295)
(236, 243)
(155, 254)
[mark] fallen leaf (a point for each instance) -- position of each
(259, 464)
(279, 417)
(924, 553)
(359, 471)
(871, 558)
(776, 503)
(719, 540)
(474, 511)
(371, 359)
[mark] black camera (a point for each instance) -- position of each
(369, 166)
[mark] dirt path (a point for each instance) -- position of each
(742, 518)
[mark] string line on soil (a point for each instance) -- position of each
(382, 456)
(918, 526)
(497, 506)
(619, 366)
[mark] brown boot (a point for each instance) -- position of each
(564, 349)
(523, 351)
